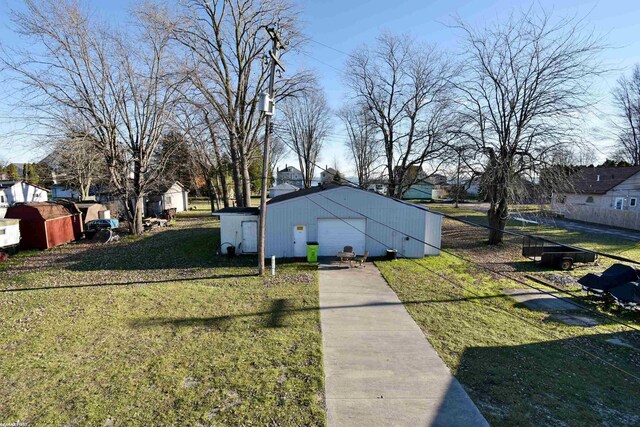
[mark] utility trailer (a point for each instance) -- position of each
(9, 236)
(558, 256)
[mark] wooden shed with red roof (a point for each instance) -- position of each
(43, 225)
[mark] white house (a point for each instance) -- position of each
(291, 175)
(12, 192)
(61, 191)
(280, 189)
(334, 216)
(603, 195)
(327, 175)
(166, 197)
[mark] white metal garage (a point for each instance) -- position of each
(336, 233)
(335, 216)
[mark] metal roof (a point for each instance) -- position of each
(332, 186)
(244, 210)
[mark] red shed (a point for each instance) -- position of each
(78, 223)
(43, 225)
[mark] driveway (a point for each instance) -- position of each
(631, 235)
(379, 368)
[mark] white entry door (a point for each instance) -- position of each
(249, 237)
(299, 241)
(336, 233)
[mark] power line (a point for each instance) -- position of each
(330, 47)
(322, 62)
(495, 306)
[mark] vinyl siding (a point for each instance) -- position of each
(385, 213)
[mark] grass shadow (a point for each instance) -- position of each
(519, 384)
(179, 248)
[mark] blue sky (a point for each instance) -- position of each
(346, 25)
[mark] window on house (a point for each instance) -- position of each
(1, 199)
(589, 199)
(619, 203)
(167, 200)
(3, 231)
(561, 199)
(633, 202)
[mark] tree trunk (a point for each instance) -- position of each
(137, 227)
(246, 182)
(497, 216)
(221, 175)
(211, 193)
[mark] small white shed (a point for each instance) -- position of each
(174, 196)
(239, 228)
(9, 235)
(280, 189)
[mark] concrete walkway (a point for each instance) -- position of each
(380, 370)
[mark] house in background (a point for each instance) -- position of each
(174, 196)
(417, 184)
(380, 187)
(602, 195)
(62, 191)
(280, 189)
(290, 175)
(437, 179)
(334, 216)
(327, 175)
(12, 192)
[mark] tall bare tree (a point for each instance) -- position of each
(363, 144)
(404, 85)
(305, 125)
(202, 132)
(524, 82)
(226, 42)
(116, 80)
(626, 97)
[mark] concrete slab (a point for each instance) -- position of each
(379, 368)
(540, 301)
(575, 320)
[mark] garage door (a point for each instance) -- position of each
(334, 234)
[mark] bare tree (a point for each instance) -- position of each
(305, 125)
(363, 145)
(404, 85)
(627, 99)
(524, 82)
(226, 42)
(80, 162)
(278, 151)
(115, 80)
(202, 130)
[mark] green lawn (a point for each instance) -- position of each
(516, 373)
(521, 367)
(599, 242)
(158, 330)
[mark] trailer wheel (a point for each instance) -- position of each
(566, 264)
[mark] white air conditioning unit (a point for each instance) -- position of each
(266, 104)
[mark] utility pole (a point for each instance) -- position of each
(267, 106)
(458, 173)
